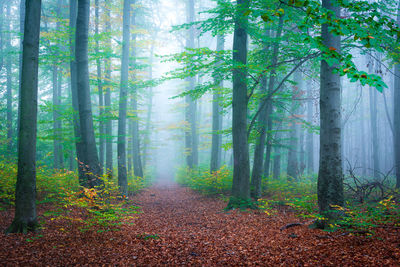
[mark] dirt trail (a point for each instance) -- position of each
(180, 227)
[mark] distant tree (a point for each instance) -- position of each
(25, 218)
(8, 64)
(396, 114)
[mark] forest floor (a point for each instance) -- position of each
(180, 227)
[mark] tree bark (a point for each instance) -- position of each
(137, 161)
(216, 139)
(330, 175)
(241, 168)
(25, 218)
(10, 132)
(107, 100)
(100, 88)
(309, 138)
(1, 35)
(396, 114)
(191, 146)
(149, 110)
(374, 130)
(74, 94)
(265, 120)
(121, 149)
(90, 156)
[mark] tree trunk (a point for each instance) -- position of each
(121, 149)
(25, 193)
(241, 168)
(21, 31)
(191, 146)
(293, 165)
(74, 93)
(149, 110)
(1, 35)
(216, 140)
(264, 119)
(137, 161)
(330, 175)
(396, 114)
(10, 131)
(107, 100)
(310, 140)
(276, 169)
(90, 158)
(100, 88)
(374, 130)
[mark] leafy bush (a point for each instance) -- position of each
(102, 208)
(218, 182)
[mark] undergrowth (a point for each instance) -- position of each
(101, 208)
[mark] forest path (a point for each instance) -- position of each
(178, 226)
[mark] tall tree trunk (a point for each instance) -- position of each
(21, 31)
(74, 93)
(216, 140)
(276, 169)
(121, 149)
(90, 158)
(100, 88)
(1, 35)
(309, 137)
(241, 168)
(293, 165)
(374, 130)
(137, 161)
(149, 110)
(330, 175)
(191, 148)
(264, 118)
(107, 98)
(25, 193)
(9, 82)
(396, 114)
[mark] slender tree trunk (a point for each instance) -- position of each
(396, 114)
(90, 159)
(74, 93)
(264, 119)
(216, 140)
(330, 175)
(276, 169)
(122, 175)
(374, 130)
(107, 99)
(241, 168)
(1, 34)
(191, 147)
(149, 110)
(137, 161)
(310, 137)
(10, 132)
(100, 88)
(25, 218)
(293, 165)
(21, 31)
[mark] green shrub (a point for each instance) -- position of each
(218, 182)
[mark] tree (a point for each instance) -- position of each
(241, 168)
(9, 82)
(137, 162)
(191, 145)
(121, 148)
(74, 93)
(330, 176)
(216, 141)
(99, 87)
(107, 98)
(90, 157)
(25, 218)
(396, 114)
